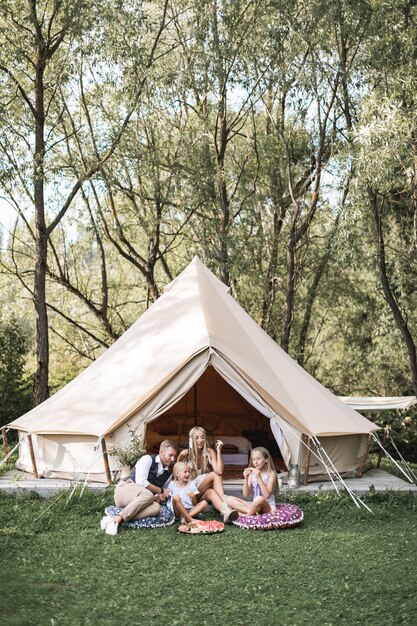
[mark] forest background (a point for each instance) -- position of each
(277, 140)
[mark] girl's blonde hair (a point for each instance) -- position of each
(177, 468)
(270, 467)
(193, 453)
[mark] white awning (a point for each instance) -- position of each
(378, 403)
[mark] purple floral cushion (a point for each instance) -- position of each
(284, 516)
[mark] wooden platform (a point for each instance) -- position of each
(19, 482)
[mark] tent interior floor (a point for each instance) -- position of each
(16, 481)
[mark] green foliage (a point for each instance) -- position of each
(387, 465)
(341, 566)
(15, 387)
(6, 467)
(128, 453)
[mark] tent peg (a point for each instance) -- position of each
(106, 461)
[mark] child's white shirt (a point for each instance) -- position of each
(183, 492)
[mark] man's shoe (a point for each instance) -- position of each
(106, 521)
(112, 528)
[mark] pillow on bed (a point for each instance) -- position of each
(284, 516)
(229, 448)
(243, 445)
(165, 518)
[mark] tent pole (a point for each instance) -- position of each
(32, 457)
(106, 461)
(6, 444)
(368, 445)
(308, 461)
(195, 404)
(384, 441)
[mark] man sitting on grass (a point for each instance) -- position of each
(140, 495)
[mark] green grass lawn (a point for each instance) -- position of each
(342, 566)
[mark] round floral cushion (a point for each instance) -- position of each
(165, 518)
(284, 516)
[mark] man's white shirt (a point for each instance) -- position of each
(142, 470)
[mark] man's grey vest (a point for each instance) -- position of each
(153, 477)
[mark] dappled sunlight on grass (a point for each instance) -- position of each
(341, 566)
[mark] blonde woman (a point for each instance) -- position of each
(206, 467)
(260, 480)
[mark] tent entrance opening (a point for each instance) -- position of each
(224, 414)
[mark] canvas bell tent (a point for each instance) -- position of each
(194, 357)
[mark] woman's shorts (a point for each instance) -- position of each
(199, 479)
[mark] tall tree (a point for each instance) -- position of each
(38, 39)
(386, 154)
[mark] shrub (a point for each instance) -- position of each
(403, 430)
(15, 386)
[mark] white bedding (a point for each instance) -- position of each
(235, 459)
(243, 445)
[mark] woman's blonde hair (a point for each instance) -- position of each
(270, 467)
(193, 452)
(177, 468)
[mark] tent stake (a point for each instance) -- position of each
(6, 444)
(362, 466)
(308, 461)
(106, 461)
(32, 457)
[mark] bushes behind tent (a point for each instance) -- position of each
(403, 430)
(15, 385)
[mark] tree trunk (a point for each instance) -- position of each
(388, 292)
(311, 296)
(289, 294)
(41, 390)
(269, 292)
(224, 232)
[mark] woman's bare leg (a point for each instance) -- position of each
(212, 496)
(218, 485)
(212, 481)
